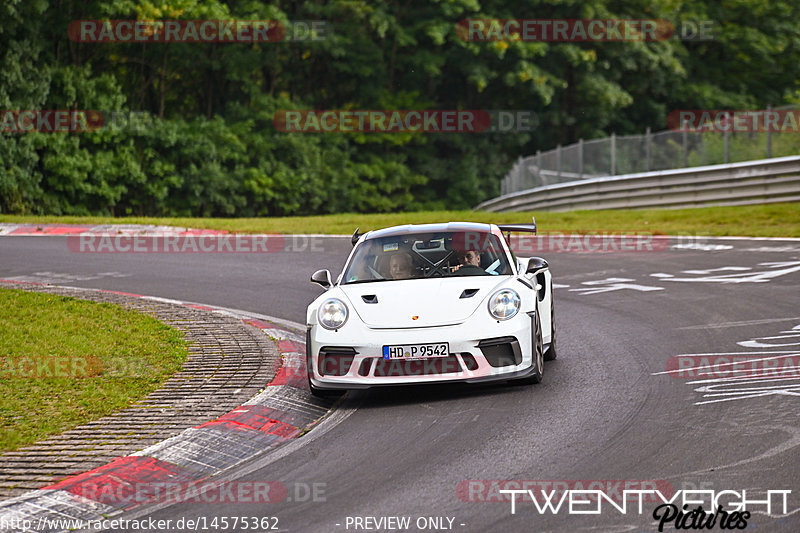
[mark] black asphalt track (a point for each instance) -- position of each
(604, 412)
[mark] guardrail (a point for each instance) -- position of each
(749, 182)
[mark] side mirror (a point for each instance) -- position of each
(323, 278)
(536, 265)
(355, 237)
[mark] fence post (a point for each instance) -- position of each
(769, 134)
(530, 177)
(558, 163)
(613, 154)
(539, 180)
(685, 144)
(580, 158)
(647, 141)
(727, 137)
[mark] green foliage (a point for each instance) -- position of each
(202, 143)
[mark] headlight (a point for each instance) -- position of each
(332, 314)
(504, 304)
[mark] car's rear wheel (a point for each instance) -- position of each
(551, 353)
(538, 355)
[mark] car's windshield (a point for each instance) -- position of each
(427, 255)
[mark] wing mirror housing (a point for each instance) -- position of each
(322, 278)
(355, 237)
(536, 265)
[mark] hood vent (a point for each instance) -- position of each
(370, 298)
(469, 293)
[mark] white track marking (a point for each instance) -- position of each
(776, 269)
(759, 383)
(709, 271)
(162, 300)
(702, 247)
(613, 284)
(754, 344)
(742, 323)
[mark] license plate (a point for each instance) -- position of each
(416, 351)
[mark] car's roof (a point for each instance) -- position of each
(429, 228)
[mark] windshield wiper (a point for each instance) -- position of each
(367, 281)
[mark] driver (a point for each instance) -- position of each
(469, 263)
(470, 257)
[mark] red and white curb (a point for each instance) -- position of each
(278, 414)
(28, 230)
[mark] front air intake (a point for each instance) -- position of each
(501, 351)
(335, 360)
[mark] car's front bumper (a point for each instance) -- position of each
(351, 358)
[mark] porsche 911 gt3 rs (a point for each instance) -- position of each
(431, 303)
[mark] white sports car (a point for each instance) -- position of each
(431, 303)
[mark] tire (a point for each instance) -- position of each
(538, 356)
(551, 354)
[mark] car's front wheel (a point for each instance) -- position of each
(551, 353)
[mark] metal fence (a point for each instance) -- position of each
(751, 182)
(618, 155)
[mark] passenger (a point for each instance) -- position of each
(401, 266)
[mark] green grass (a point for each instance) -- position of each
(64, 362)
(770, 220)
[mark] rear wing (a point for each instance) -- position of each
(508, 229)
(518, 228)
